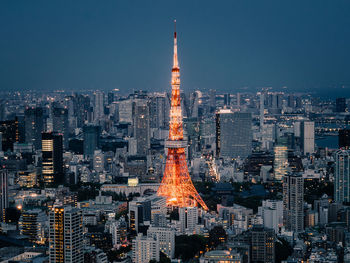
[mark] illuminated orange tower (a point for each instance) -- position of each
(176, 185)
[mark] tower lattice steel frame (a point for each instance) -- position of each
(176, 184)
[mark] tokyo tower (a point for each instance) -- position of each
(176, 185)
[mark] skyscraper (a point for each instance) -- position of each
(91, 139)
(66, 235)
(144, 249)
(34, 126)
(4, 201)
(263, 244)
(176, 185)
(159, 108)
(188, 217)
(307, 134)
(280, 164)
(52, 154)
(262, 109)
(293, 202)
(32, 224)
(165, 237)
(233, 134)
(342, 176)
(98, 105)
(60, 123)
(142, 126)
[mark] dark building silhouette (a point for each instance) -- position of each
(34, 126)
(4, 202)
(344, 138)
(52, 158)
(91, 139)
(340, 105)
(263, 244)
(60, 123)
(9, 134)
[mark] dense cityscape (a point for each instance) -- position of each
(173, 176)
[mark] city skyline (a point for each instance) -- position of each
(231, 47)
(145, 173)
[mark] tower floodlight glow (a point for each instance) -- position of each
(176, 184)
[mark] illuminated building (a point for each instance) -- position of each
(176, 184)
(144, 249)
(52, 154)
(32, 224)
(263, 244)
(293, 202)
(219, 256)
(66, 235)
(139, 212)
(280, 164)
(342, 176)
(27, 178)
(4, 201)
(166, 239)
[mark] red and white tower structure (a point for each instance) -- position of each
(177, 185)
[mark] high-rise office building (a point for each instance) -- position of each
(91, 139)
(98, 105)
(344, 138)
(271, 212)
(60, 123)
(32, 224)
(139, 213)
(263, 244)
(141, 126)
(34, 126)
(188, 217)
(66, 235)
(340, 105)
(145, 249)
(166, 239)
(293, 202)
(52, 158)
(125, 111)
(342, 176)
(307, 134)
(227, 99)
(4, 199)
(233, 134)
(280, 163)
(262, 110)
(9, 134)
(159, 111)
(81, 108)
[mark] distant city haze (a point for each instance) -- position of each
(231, 46)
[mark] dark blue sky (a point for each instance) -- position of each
(224, 45)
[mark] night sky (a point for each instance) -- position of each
(230, 46)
